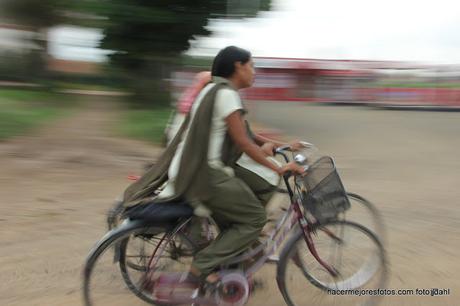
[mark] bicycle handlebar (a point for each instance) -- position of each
(282, 149)
(300, 159)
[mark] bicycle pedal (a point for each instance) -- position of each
(189, 300)
(172, 286)
(181, 288)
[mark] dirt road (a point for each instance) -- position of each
(57, 185)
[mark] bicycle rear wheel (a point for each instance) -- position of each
(135, 252)
(173, 249)
(104, 283)
(351, 249)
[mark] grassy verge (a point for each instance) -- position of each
(145, 124)
(82, 86)
(23, 110)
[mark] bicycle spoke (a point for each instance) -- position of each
(351, 249)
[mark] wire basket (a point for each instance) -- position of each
(323, 194)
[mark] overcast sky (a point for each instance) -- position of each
(352, 29)
(406, 30)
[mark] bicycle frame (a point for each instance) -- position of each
(292, 216)
(276, 237)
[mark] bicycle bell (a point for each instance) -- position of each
(300, 159)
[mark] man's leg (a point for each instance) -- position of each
(242, 218)
(260, 187)
(263, 191)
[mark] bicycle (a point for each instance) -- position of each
(311, 233)
(361, 210)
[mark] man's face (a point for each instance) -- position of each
(245, 73)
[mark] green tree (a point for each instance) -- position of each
(147, 37)
(36, 16)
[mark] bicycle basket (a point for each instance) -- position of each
(323, 194)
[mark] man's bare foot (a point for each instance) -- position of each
(195, 271)
(211, 278)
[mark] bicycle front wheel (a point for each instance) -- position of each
(365, 213)
(350, 249)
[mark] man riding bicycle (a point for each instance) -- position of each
(199, 165)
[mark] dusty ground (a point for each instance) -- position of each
(57, 185)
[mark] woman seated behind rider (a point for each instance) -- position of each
(201, 160)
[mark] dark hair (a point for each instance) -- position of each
(224, 62)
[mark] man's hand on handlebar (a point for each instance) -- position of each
(299, 145)
(292, 167)
(297, 167)
(294, 146)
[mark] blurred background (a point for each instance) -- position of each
(88, 88)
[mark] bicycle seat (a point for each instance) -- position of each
(160, 212)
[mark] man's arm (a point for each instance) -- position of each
(293, 145)
(237, 132)
(261, 140)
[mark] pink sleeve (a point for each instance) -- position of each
(186, 100)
